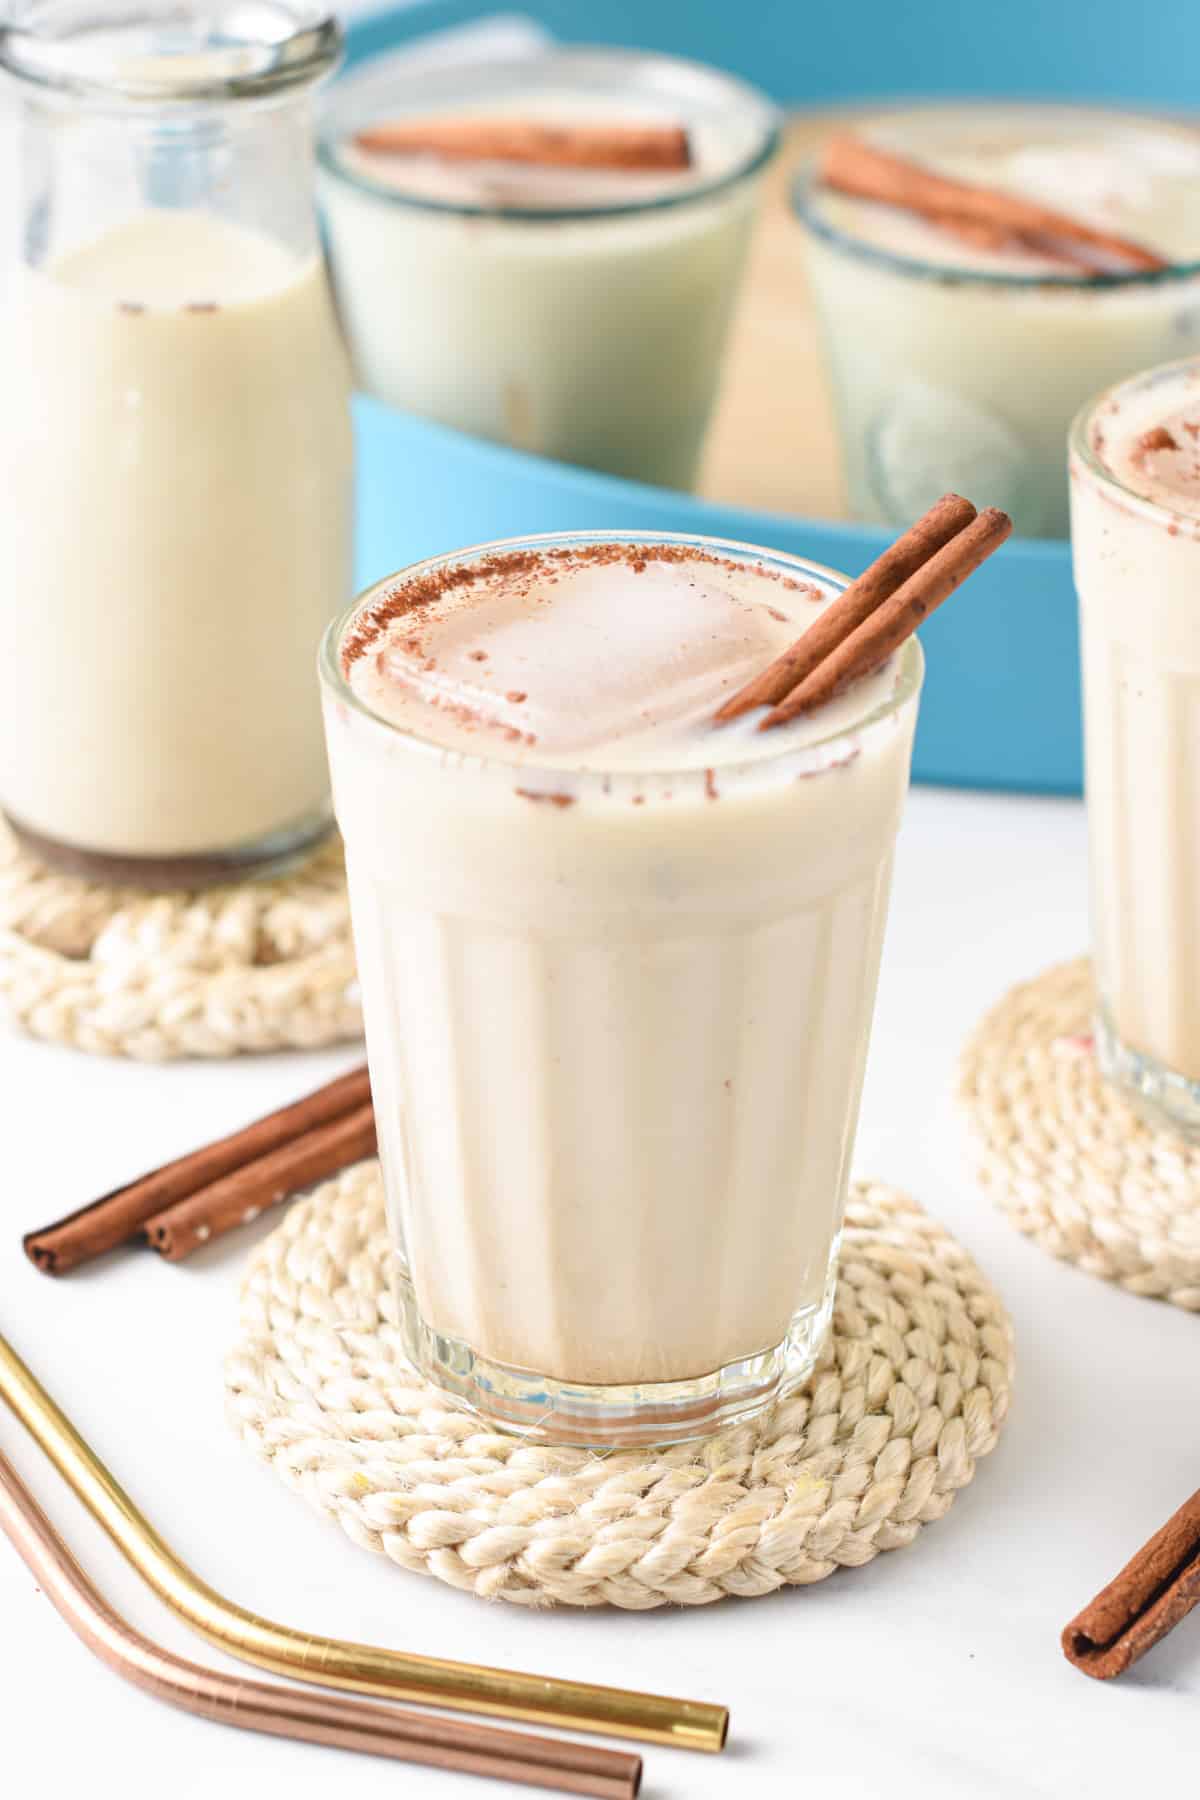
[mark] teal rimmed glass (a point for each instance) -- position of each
(590, 329)
(954, 374)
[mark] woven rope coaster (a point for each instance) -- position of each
(1066, 1156)
(910, 1391)
(259, 966)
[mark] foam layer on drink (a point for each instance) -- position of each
(1135, 177)
(1148, 437)
(600, 657)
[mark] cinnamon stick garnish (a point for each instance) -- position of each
(891, 624)
(575, 146)
(239, 1198)
(116, 1218)
(1153, 1592)
(944, 520)
(851, 165)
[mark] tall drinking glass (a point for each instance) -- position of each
(617, 1021)
(1135, 523)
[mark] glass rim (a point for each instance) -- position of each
(769, 141)
(1083, 453)
(803, 193)
(814, 754)
(66, 63)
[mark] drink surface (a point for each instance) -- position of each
(1148, 438)
(602, 657)
(1133, 176)
(717, 148)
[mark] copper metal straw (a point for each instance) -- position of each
(331, 1662)
(295, 1712)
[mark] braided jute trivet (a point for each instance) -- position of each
(263, 965)
(1064, 1153)
(910, 1391)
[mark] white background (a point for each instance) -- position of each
(934, 1672)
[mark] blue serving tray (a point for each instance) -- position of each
(1001, 704)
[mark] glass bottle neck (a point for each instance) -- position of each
(192, 108)
(87, 173)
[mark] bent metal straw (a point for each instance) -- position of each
(331, 1662)
(295, 1712)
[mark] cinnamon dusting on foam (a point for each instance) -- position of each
(419, 592)
(557, 659)
(546, 799)
(1157, 438)
(1151, 446)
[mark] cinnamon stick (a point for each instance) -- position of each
(1155, 1590)
(240, 1197)
(851, 165)
(895, 621)
(998, 239)
(944, 520)
(117, 1217)
(575, 146)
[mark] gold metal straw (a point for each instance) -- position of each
(331, 1662)
(296, 1712)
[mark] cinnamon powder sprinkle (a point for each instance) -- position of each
(516, 695)
(412, 597)
(201, 306)
(1157, 438)
(133, 307)
(710, 785)
(839, 762)
(553, 799)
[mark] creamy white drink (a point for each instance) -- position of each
(176, 533)
(618, 967)
(959, 363)
(577, 313)
(1135, 527)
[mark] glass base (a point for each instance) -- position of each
(1166, 1100)
(271, 855)
(548, 1411)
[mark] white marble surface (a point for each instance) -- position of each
(934, 1672)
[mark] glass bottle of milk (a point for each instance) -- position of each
(175, 446)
